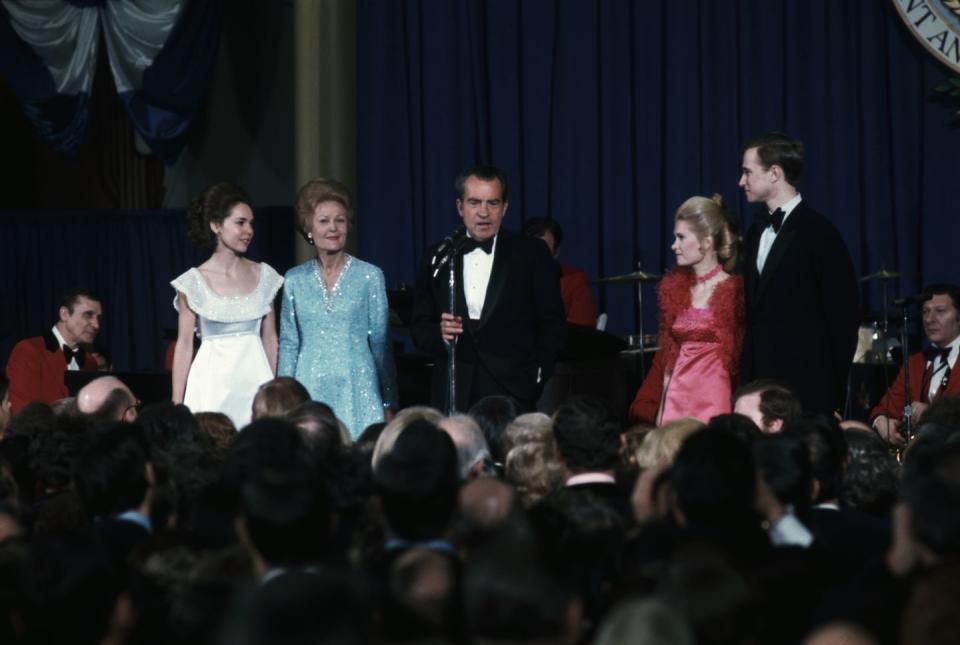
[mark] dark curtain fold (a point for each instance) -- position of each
(127, 256)
(608, 115)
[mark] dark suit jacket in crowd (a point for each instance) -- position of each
(803, 311)
(521, 328)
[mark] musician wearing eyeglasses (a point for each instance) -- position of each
(930, 371)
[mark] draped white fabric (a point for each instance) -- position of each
(65, 37)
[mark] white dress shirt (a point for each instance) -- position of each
(940, 369)
(768, 237)
(477, 267)
(72, 365)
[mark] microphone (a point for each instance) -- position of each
(450, 240)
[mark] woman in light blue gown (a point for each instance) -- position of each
(333, 324)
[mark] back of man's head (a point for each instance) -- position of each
(493, 414)
(278, 396)
(768, 403)
(931, 490)
(111, 473)
(286, 516)
(714, 479)
(828, 452)
(587, 437)
(510, 597)
(107, 399)
(417, 482)
(784, 464)
(473, 455)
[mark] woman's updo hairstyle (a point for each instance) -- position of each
(708, 218)
(315, 192)
(213, 205)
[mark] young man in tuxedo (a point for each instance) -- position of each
(36, 365)
(801, 289)
(930, 370)
(508, 323)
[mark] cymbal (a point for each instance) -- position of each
(882, 274)
(629, 278)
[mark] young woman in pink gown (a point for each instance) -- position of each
(701, 313)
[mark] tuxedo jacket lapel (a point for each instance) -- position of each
(780, 245)
(498, 277)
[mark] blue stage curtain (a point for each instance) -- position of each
(127, 257)
(161, 55)
(607, 115)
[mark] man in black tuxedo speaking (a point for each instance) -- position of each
(801, 289)
(508, 325)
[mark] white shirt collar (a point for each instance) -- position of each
(790, 205)
(59, 337)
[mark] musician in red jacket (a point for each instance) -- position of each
(36, 365)
(578, 304)
(930, 370)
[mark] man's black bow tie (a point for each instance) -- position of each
(774, 219)
(932, 351)
(73, 353)
(470, 245)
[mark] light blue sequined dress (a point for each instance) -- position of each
(335, 341)
(231, 364)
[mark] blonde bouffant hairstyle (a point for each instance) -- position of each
(708, 218)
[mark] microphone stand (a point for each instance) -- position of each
(907, 404)
(452, 345)
(448, 251)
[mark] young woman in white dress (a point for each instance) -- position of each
(229, 300)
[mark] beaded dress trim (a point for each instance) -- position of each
(328, 296)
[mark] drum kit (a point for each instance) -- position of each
(639, 278)
(875, 340)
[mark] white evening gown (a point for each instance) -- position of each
(230, 365)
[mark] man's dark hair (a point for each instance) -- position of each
(828, 451)
(114, 406)
(776, 148)
(331, 607)
(931, 489)
(70, 297)
(53, 454)
(714, 478)
(945, 411)
(538, 226)
(493, 413)
(777, 400)
(110, 474)
(484, 173)
(509, 596)
(784, 463)
(287, 516)
(166, 424)
(871, 480)
(942, 289)
(738, 425)
(586, 434)
(417, 482)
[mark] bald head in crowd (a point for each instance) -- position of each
(107, 399)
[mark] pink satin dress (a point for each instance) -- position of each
(699, 386)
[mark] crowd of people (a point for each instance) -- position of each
(122, 524)
(283, 495)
